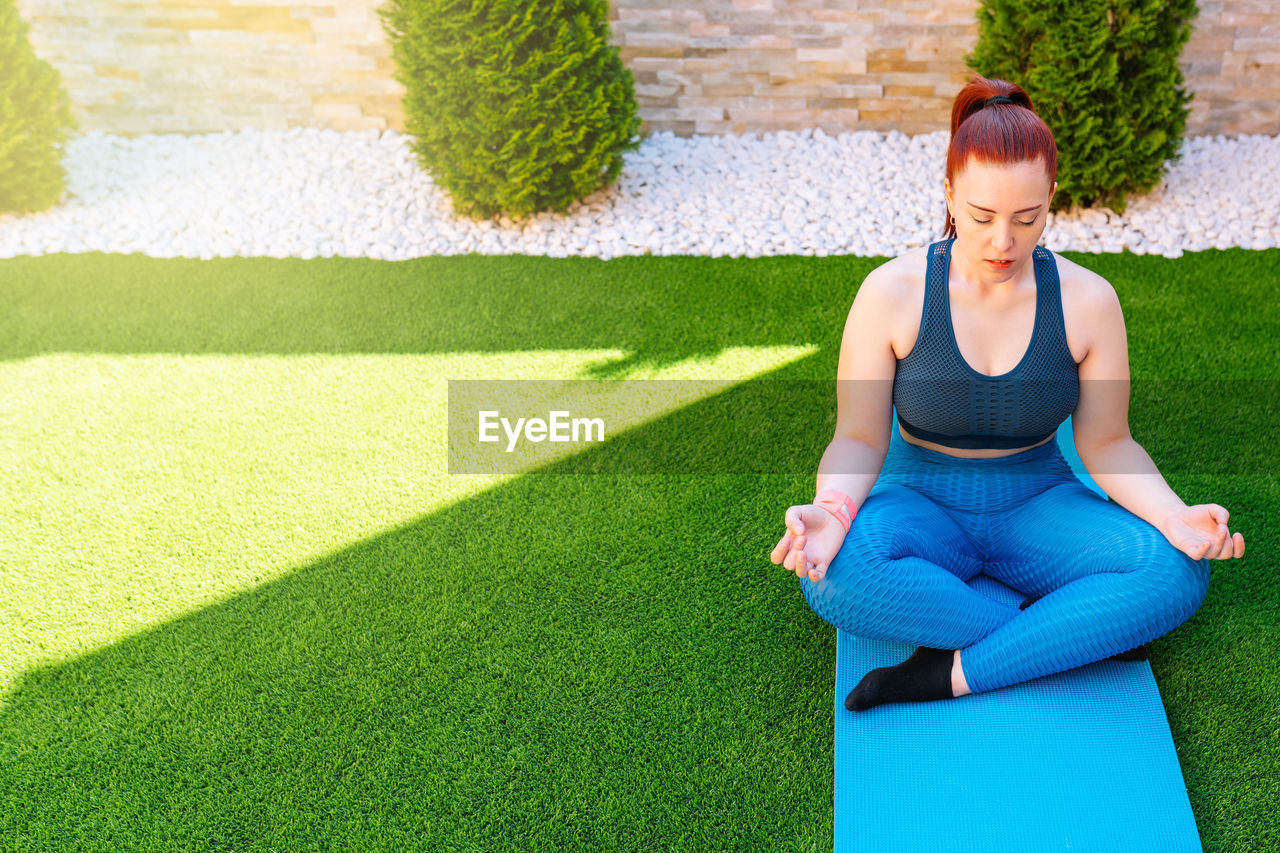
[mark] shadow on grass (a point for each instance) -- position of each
(661, 309)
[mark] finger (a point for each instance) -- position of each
(1238, 539)
(797, 551)
(801, 563)
(794, 525)
(780, 550)
(790, 561)
(1225, 550)
(797, 523)
(817, 573)
(1219, 513)
(1229, 546)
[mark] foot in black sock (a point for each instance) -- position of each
(1142, 652)
(924, 676)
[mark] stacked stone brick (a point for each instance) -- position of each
(701, 66)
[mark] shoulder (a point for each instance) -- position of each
(1085, 294)
(1082, 283)
(891, 298)
(1090, 307)
(897, 278)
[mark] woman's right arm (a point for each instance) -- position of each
(864, 391)
(864, 401)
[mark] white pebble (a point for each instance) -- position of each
(310, 192)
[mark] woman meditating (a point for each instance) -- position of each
(986, 342)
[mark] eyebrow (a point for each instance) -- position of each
(1015, 213)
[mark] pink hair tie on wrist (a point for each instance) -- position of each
(838, 504)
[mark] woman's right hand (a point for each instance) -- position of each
(812, 540)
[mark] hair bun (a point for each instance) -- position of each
(998, 99)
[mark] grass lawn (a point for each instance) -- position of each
(246, 607)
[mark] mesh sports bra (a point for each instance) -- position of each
(940, 398)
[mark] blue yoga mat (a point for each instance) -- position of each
(1081, 760)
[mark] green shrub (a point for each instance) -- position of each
(1105, 79)
(35, 117)
(514, 106)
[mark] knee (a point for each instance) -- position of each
(843, 597)
(816, 596)
(1183, 581)
(1193, 581)
(830, 595)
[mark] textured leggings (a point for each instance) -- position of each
(1110, 580)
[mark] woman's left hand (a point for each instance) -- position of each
(1201, 531)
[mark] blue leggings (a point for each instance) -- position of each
(1110, 580)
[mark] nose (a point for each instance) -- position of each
(1002, 238)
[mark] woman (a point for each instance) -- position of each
(986, 342)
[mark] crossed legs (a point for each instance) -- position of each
(1109, 582)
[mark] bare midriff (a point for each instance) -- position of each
(969, 452)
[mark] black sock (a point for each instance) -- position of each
(924, 676)
(1142, 652)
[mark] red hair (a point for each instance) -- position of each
(1001, 134)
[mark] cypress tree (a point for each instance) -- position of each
(35, 119)
(1105, 79)
(514, 106)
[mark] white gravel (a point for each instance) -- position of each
(308, 193)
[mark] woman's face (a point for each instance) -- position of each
(1000, 213)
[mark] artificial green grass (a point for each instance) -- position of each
(247, 608)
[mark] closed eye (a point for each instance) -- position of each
(1019, 221)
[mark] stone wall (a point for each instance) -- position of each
(138, 66)
(706, 66)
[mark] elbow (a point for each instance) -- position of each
(1092, 452)
(880, 446)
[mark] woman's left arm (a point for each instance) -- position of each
(1120, 466)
